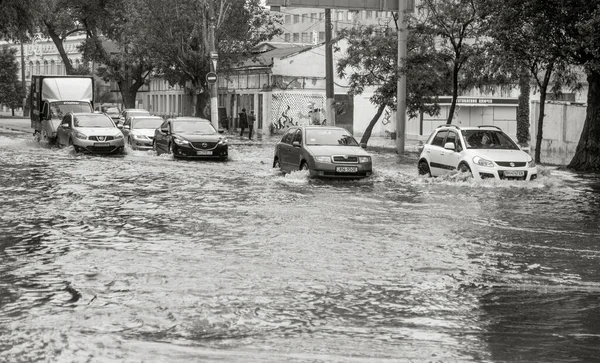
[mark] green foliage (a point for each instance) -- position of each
(177, 34)
(371, 60)
(9, 82)
(458, 27)
(18, 19)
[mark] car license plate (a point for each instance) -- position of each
(514, 173)
(346, 169)
(101, 144)
(203, 152)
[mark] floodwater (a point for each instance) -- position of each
(140, 258)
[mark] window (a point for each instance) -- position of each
(287, 37)
(453, 137)
(321, 37)
(305, 18)
(288, 19)
(340, 15)
(313, 17)
(287, 138)
(296, 37)
(321, 16)
(350, 15)
(305, 38)
(298, 136)
(296, 19)
(368, 14)
(438, 140)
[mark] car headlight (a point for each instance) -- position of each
(81, 136)
(222, 141)
(179, 141)
(483, 162)
(118, 136)
(140, 137)
(364, 159)
(323, 159)
(531, 163)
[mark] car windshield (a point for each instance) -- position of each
(146, 123)
(59, 109)
(193, 127)
(112, 110)
(329, 137)
(93, 121)
(488, 139)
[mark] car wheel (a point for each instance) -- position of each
(424, 168)
(304, 166)
(464, 168)
(276, 163)
(171, 149)
(154, 147)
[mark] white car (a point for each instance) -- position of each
(483, 151)
(139, 131)
(90, 132)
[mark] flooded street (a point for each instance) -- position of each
(140, 258)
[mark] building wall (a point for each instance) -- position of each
(562, 128)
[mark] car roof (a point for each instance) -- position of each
(190, 118)
(480, 127)
(145, 116)
(87, 114)
(317, 127)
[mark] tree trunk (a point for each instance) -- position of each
(127, 93)
(540, 125)
(367, 135)
(58, 42)
(523, 109)
(587, 154)
(454, 94)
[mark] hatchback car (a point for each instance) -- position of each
(190, 137)
(323, 151)
(113, 112)
(90, 132)
(483, 151)
(139, 131)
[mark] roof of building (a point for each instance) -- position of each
(267, 51)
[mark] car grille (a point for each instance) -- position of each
(204, 145)
(347, 159)
(107, 138)
(515, 164)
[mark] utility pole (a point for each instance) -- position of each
(214, 106)
(329, 93)
(401, 91)
(23, 79)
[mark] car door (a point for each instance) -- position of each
(285, 148)
(435, 150)
(63, 132)
(162, 137)
(449, 158)
(295, 155)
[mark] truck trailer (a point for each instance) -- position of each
(52, 97)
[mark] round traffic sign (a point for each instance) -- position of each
(211, 77)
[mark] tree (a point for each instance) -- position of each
(529, 37)
(113, 38)
(458, 25)
(9, 80)
(177, 33)
(580, 22)
(18, 19)
(371, 60)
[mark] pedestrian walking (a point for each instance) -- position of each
(243, 121)
(251, 119)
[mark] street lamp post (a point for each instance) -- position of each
(214, 57)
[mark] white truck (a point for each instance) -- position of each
(52, 97)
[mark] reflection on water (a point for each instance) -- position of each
(146, 258)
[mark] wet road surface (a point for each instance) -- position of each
(142, 258)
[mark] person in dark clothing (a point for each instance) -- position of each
(251, 119)
(243, 121)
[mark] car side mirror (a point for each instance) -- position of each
(363, 145)
(296, 144)
(126, 127)
(164, 130)
(449, 146)
(221, 131)
(65, 125)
